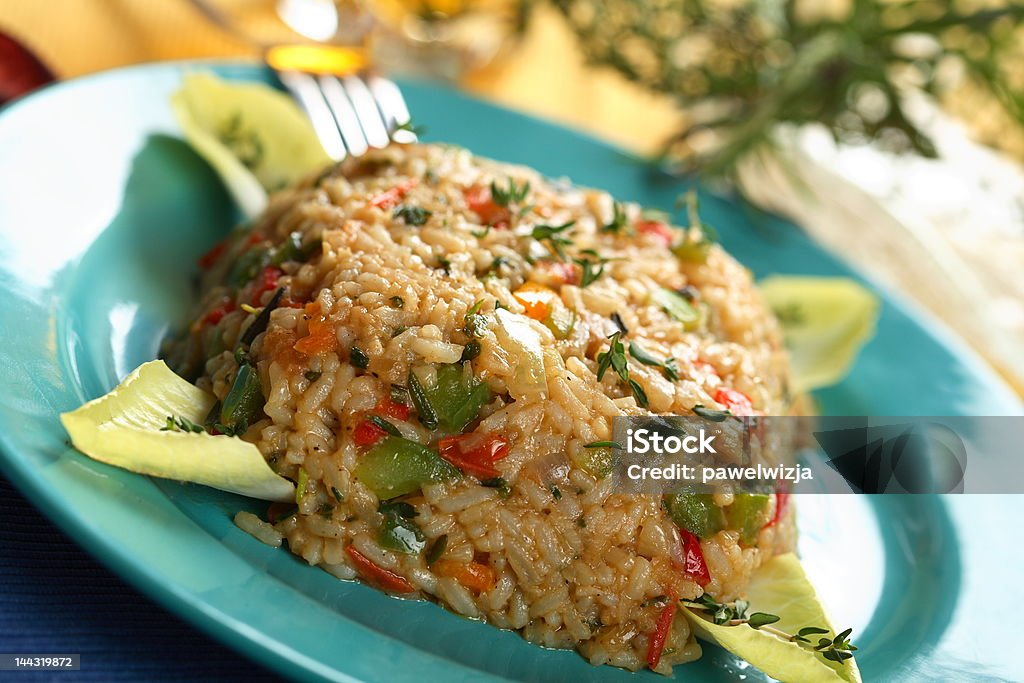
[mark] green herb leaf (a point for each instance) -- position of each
(619, 220)
(592, 269)
(428, 416)
(668, 366)
(615, 358)
(552, 234)
(476, 323)
(358, 358)
(384, 424)
(181, 424)
(759, 619)
(411, 127)
(470, 351)
(513, 194)
(412, 215)
(437, 549)
(498, 483)
(604, 444)
(399, 394)
(259, 325)
(711, 414)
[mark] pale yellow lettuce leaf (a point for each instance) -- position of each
(255, 137)
(122, 428)
(825, 320)
(779, 587)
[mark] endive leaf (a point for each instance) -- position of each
(255, 137)
(123, 428)
(779, 587)
(825, 320)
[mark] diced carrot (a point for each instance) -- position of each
(474, 575)
(536, 299)
(321, 338)
(384, 578)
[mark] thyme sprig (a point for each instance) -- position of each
(615, 358)
(836, 649)
(554, 237)
(668, 366)
(513, 194)
(619, 220)
(592, 265)
(742, 70)
(181, 424)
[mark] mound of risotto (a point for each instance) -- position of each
(433, 347)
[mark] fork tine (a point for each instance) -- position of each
(392, 107)
(366, 109)
(345, 115)
(305, 90)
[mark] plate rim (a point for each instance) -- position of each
(187, 606)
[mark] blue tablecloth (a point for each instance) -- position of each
(56, 599)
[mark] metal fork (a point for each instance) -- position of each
(350, 113)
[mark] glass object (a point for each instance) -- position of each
(436, 38)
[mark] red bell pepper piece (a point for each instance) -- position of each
(657, 642)
(388, 198)
(563, 272)
(278, 511)
(738, 403)
(474, 453)
(694, 565)
(215, 315)
(781, 499)
(393, 409)
(661, 232)
(478, 199)
(267, 283)
(366, 433)
(213, 255)
(388, 580)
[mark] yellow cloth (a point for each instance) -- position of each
(544, 75)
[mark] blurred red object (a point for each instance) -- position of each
(20, 70)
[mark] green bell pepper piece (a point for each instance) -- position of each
(397, 466)
(748, 514)
(455, 400)
(696, 512)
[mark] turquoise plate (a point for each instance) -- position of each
(103, 211)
